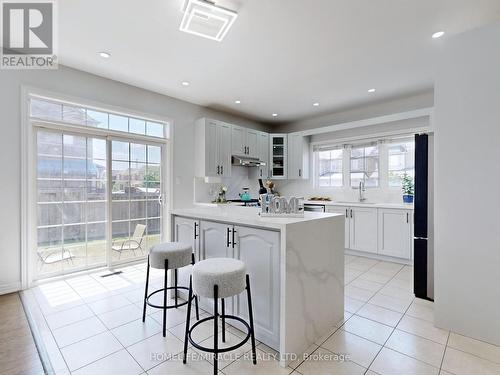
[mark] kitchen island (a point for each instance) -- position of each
(296, 268)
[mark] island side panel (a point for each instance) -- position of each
(314, 282)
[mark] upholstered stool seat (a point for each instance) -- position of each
(168, 256)
(178, 254)
(228, 274)
(219, 278)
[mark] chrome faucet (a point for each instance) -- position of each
(362, 191)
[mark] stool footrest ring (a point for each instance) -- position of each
(219, 350)
(168, 306)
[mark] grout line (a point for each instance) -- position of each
(444, 352)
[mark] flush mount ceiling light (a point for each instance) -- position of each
(237, 101)
(437, 34)
(371, 90)
(185, 83)
(104, 55)
(207, 20)
(275, 115)
(316, 104)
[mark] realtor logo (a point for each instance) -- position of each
(28, 35)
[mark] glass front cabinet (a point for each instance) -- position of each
(278, 156)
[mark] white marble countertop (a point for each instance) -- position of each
(401, 206)
(246, 216)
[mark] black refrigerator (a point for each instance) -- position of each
(422, 258)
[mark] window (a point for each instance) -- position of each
(365, 165)
(330, 167)
(401, 155)
(44, 109)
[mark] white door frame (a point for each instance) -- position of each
(28, 165)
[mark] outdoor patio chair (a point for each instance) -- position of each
(132, 244)
(48, 256)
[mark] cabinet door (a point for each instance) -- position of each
(264, 154)
(224, 149)
(259, 250)
(214, 244)
(187, 230)
(278, 156)
(238, 140)
(252, 143)
(345, 212)
(394, 233)
(211, 148)
(363, 229)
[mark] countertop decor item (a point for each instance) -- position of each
(408, 188)
(221, 195)
(272, 206)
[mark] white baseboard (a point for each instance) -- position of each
(10, 288)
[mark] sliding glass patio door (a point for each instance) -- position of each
(98, 200)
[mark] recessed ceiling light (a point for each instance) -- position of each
(105, 55)
(316, 104)
(275, 115)
(237, 101)
(437, 34)
(205, 19)
(372, 90)
(185, 83)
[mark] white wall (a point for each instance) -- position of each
(467, 180)
(87, 86)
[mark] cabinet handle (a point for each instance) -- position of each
(261, 173)
(234, 243)
(300, 172)
(195, 234)
(407, 218)
(221, 169)
(351, 213)
(346, 214)
(228, 237)
(218, 169)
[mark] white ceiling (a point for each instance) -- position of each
(280, 55)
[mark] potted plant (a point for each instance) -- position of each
(408, 188)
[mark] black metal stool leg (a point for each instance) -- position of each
(165, 300)
(216, 333)
(145, 293)
(175, 287)
(188, 318)
(250, 316)
(195, 297)
(223, 320)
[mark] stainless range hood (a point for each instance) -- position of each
(244, 161)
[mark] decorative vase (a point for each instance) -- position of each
(407, 198)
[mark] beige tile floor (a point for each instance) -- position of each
(92, 325)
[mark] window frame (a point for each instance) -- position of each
(28, 162)
(383, 144)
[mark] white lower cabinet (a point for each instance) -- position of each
(187, 230)
(395, 232)
(363, 229)
(343, 211)
(259, 250)
(382, 231)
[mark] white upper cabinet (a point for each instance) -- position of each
(212, 148)
(244, 141)
(395, 232)
(253, 143)
(263, 155)
(278, 156)
(298, 156)
(363, 229)
(238, 140)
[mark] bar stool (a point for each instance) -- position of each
(219, 278)
(169, 256)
